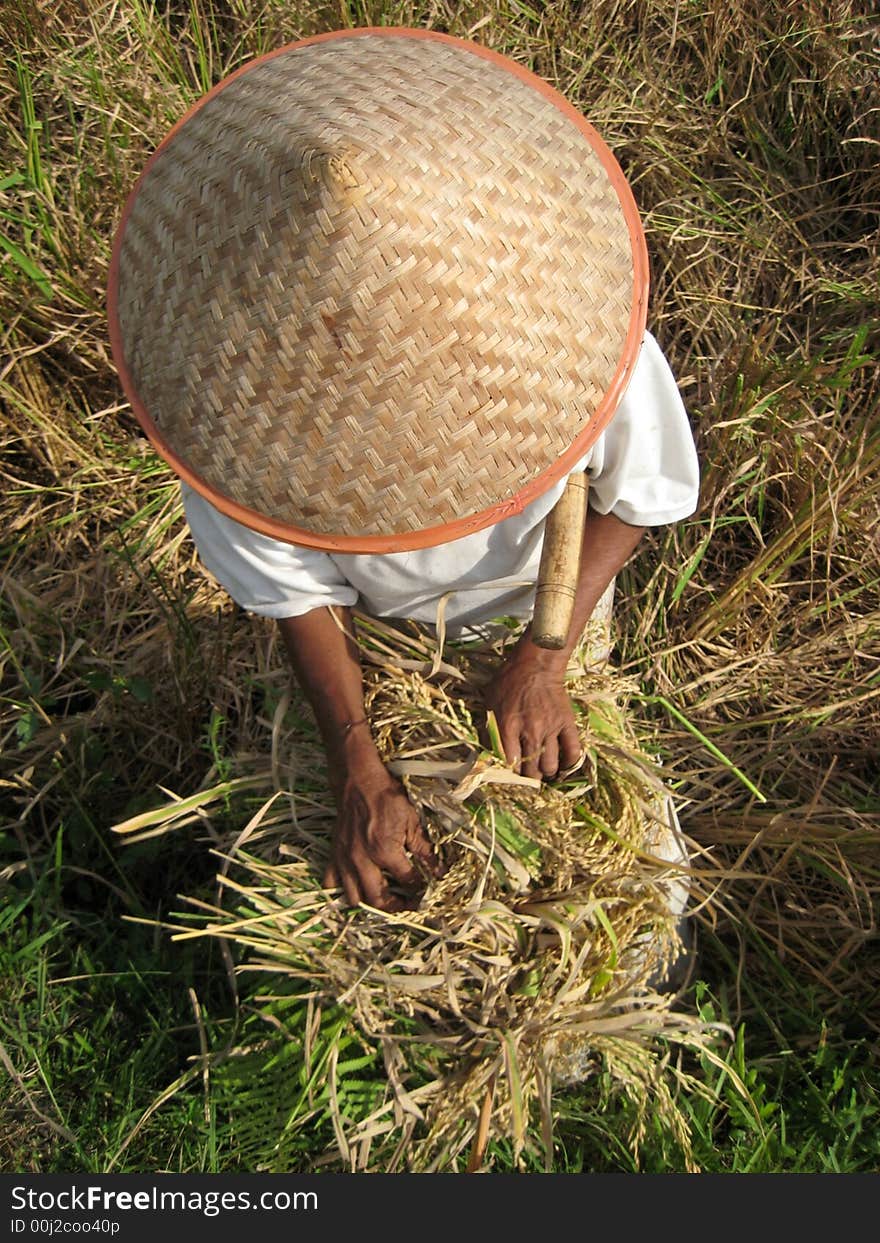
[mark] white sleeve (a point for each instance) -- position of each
(644, 467)
(263, 575)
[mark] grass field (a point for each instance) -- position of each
(750, 135)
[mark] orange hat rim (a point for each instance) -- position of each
(542, 482)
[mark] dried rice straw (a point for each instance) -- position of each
(528, 965)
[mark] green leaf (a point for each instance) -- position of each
(612, 936)
(98, 680)
(495, 737)
(140, 688)
(26, 726)
(27, 266)
(510, 835)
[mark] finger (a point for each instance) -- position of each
(331, 877)
(350, 887)
(393, 905)
(510, 745)
(531, 754)
(374, 886)
(397, 864)
(420, 847)
(549, 761)
(429, 864)
(571, 751)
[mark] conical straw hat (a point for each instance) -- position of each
(377, 290)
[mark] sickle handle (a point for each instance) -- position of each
(560, 565)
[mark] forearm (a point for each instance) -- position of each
(534, 714)
(377, 833)
(324, 657)
(608, 543)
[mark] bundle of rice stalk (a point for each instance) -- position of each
(534, 961)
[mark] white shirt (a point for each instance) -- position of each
(643, 469)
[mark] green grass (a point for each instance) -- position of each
(99, 1022)
(93, 1020)
(747, 133)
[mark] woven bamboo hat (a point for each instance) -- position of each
(377, 290)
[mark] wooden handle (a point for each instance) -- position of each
(560, 565)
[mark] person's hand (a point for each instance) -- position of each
(378, 836)
(534, 714)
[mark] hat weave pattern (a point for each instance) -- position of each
(373, 285)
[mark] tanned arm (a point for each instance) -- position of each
(528, 696)
(378, 832)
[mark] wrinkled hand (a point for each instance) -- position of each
(378, 835)
(535, 718)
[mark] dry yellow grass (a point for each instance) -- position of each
(534, 961)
